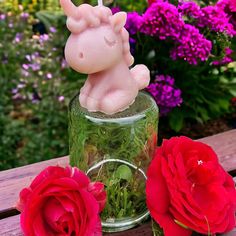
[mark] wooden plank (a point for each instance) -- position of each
(12, 181)
(11, 227)
(224, 145)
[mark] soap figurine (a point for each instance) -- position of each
(99, 46)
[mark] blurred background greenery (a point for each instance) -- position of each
(36, 84)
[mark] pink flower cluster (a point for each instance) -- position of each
(165, 21)
(162, 20)
(166, 95)
(215, 19)
(192, 46)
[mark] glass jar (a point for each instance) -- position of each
(116, 150)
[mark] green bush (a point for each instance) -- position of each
(36, 85)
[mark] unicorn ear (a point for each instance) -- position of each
(118, 21)
(69, 8)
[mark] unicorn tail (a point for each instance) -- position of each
(141, 75)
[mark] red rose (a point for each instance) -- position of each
(62, 202)
(187, 189)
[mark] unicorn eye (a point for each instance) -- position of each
(109, 42)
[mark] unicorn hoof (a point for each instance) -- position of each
(92, 104)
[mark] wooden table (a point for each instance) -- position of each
(13, 180)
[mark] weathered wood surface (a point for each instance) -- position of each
(224, 145)
(12, 181)
(11, 227)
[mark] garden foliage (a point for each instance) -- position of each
(189, 47)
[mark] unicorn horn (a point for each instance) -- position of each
(69, 8)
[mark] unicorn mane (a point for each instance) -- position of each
(85, 16)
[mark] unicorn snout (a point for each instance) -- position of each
(81, 55)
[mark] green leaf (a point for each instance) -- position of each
(224, 103)
(176, 120)
(203, 113)
(181, 224)
(233, 92)
(123, 172)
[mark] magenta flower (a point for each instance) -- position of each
(228, 7)
(133, 22)
(162, 20)
(115, 10)
(192, 46)
(2, 16)
(49, 76)
(226, 60)
(18, 38)
(52, 29)
(165, 94)
(24, 15)
(190, 9)
(216, 19)
(43, 38)
(232, 5)
(61, 98)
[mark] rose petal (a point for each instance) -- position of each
(52, 211)
(97, 190)
(156, 190)
(170, 228)
(40, 227)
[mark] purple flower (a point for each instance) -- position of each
(14, 91)
(61, 98)
(49, 76)
(25, 73)
(2, 16)
(226, 6)
(10, 25)
(226, 60)
(165, 94)
(18, 96)
(222, 4)
(133, 22)
(35, 66)
(132, 43)
(190, 9)
(52, 29)
(43, 38)
(35, 98)
(25, 66)
(216, 19)
(64, 64)
(20, 85)
(28, 57)
(162, 20)
(115, 10)
(192, 46)
(34, 55)
(24, 15)
(232, 5)
(18, 37)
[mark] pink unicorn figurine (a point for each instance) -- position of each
(99, 46)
